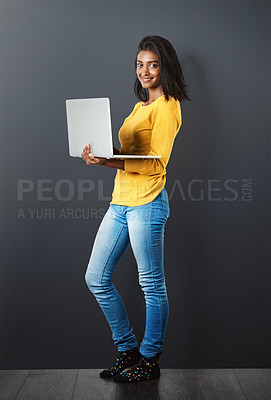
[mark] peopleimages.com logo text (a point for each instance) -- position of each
(65, 190)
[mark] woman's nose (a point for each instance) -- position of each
(146, 70)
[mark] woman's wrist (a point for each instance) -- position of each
(119, 164)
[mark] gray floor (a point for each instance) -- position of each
(85, 384)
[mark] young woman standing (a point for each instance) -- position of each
(139, 210)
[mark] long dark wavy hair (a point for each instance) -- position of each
(171, 75)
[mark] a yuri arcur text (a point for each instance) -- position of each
(62, 213)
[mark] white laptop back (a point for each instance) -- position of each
(89, 121)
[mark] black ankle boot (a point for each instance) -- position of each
(125, 360)
(147, 368)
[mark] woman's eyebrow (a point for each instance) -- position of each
(147, 61)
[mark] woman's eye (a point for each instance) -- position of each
(152, 65)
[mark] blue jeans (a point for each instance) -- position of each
(142, 226)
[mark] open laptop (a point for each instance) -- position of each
(89, 121)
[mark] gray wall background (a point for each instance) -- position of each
(217, 237)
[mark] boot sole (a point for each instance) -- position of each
(113, 376)
(142, 380)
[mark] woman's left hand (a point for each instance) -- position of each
(90, 159)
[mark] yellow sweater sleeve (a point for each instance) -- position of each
(166, 122)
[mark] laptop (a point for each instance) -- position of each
(89, 121)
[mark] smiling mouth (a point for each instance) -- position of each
(146, 79)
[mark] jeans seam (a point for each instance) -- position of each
(167, 208)
(161, 313)
(111, 280)
(162, 203)
(163, 206)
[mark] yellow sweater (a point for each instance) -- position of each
(149, 130)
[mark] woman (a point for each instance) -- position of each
(139, 210)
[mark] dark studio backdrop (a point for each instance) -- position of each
(217, 239)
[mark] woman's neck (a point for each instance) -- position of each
(154, 94)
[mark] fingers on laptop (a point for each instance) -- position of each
(85, 152)
(88, 157)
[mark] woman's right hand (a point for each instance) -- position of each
(90, 159)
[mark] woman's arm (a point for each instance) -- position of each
(91, 160)
(119, 164)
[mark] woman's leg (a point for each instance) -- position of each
(111, 241)
(146, 226)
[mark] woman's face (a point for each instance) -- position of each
(148, 69)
